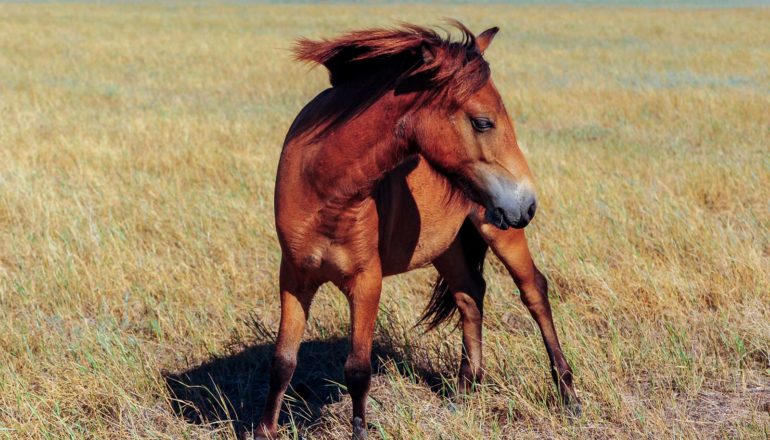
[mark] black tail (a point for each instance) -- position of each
(442, 305)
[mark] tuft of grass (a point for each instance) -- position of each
(138, 261)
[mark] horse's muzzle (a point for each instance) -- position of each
(517, 215)
(510, 202)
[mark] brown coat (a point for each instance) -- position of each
(409, 159)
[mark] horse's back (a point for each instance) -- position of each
(420, 213)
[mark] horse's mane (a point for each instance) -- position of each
(408, 58)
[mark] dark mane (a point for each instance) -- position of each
(409, 58)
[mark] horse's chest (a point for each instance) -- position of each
(420, 215)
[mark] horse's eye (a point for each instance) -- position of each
(482, 124)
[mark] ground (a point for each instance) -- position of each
(138, 259)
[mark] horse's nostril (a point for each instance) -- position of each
(531, 210)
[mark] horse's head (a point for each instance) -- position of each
(468, 135)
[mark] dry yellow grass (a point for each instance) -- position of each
(138, 259)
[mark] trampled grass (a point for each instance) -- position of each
(138, 260)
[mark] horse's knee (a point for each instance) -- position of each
(358, 373)
(535, 282)
(541, 282)
(534, 293)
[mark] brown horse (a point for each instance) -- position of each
(409, 159)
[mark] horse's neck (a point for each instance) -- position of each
(356, 155)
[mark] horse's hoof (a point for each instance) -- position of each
(261, 434)
(359, 430)
(574, 409)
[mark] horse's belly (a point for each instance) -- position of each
(420, 214)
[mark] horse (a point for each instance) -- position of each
(408, 159)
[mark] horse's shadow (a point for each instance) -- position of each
(232, 389)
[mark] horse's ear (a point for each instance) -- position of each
(485, 38)
(428, 53)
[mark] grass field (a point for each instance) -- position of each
(138, 259)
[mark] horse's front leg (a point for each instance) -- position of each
(512, 249)
(363, 293)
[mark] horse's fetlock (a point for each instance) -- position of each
(265, 432)
(472, 375)
(358, 373)
(359, 429)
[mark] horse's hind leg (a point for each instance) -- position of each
(296, 297)
(511, 247)
(467, 286)
(363, 294)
